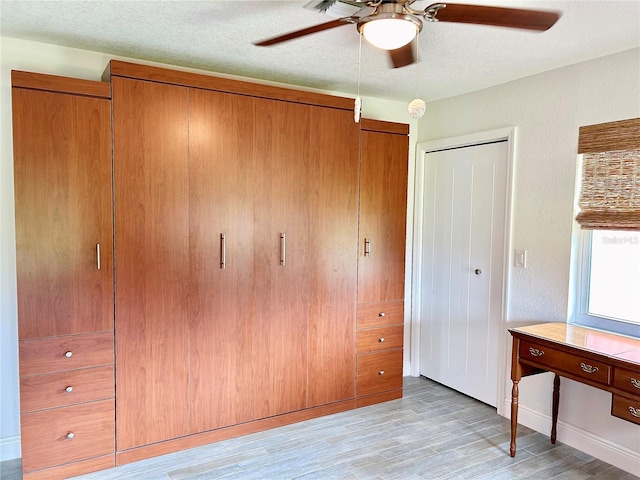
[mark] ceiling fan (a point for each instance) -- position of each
(393, 24)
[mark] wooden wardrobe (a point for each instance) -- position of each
(258, 256)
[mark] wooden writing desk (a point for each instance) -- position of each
(603, 360)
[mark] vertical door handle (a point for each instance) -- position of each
(223, 251)
(98, 255)
(367, 247)
(283, 249)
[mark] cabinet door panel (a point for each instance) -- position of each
(383, 201)
(152, 260)
(282, 205)
(333, 210)
(221, 297)
(62, 168)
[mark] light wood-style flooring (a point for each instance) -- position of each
(433, 432)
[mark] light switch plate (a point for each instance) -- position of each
(520, 259)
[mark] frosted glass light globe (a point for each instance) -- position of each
(389, 33)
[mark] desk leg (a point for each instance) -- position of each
(514, 417)
(554, 409)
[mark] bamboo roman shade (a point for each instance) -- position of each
(610, 189)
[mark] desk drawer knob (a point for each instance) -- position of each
(381, 314)
(588, 368)
(535, 352)
(381, 339)
(70, 435)
(68, 354)
(635, 382)
(69, 389)
(381, 372)
(634, 411)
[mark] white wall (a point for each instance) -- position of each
(56, 60)
(547, 110)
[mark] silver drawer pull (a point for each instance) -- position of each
(382, 314)
(535, 352)
(367, 247)
(69, 389)
(635, 382)
(634, 411)
(381, 339)
(381, 372)
(68, 354)
(98, 256)
(283, 249)
(223, 251)
(70, 435)
(588, 368)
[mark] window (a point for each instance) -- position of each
(608, 290)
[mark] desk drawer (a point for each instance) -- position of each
(378, 339)
(378, 372)
(66, 388)
(70, 352)
(67, 434)
(557, 360)
(626, 380)
(626, 408)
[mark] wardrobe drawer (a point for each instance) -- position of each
(626, 408)
(67, 434)
(70, 352)
(66, 388)
(380, 313)
(378, 372)
(626, 380)
(559, 361)
(377, 339)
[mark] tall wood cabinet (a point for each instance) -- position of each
(62, 180)
(259, 262)
(381, 260)
(236, 226)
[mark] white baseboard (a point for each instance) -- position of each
(600, 448)
(406, 368)
(9, 448)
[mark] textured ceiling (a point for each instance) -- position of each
(218, 35)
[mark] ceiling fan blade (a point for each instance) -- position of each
(403, 56)
(495, 16)
(306, 31)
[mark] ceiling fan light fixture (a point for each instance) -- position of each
(389, 31)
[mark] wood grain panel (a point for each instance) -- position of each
(377, 339)
(50, 391)
(380, 313)
(384, 127)
(221, 299)
(49, 355)
(378, 372)
(44, 434)
(190, 441)
(383, 209)
(54, 83)
(72, 469)
(282, 205)
(152, 260)
(332, 267)
(177, 77)
(62, 178)
(378, 398)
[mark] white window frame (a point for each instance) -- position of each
(579, 313)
